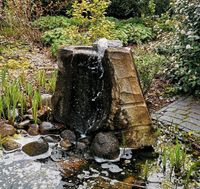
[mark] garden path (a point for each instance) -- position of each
(183, 113)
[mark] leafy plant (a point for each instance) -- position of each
(45, 23)
(148, 64)
(185, 69)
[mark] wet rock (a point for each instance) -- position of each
(105, 145)
(71, 166)
(33, 130)
(66, 144)
(7, 130)
(36, 148)
(28, 116)
(58, 154)
(67, 134)
(81, 146)
(43, 114)
(22, 131)
(52, 138)
(49, 128)
(11, 145)
(46, 100)
(23, 124)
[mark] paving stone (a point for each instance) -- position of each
(194, 115)
(170, 119)
(193, 121)
(175, 115)
(190, 126)
(184, 113)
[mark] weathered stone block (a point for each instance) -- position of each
(96, 92)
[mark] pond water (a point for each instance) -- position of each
(57, 169)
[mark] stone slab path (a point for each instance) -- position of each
(184, 113)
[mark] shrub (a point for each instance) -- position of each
(130, 8)
(148, 64)
(133, 33)
(186, 67)
(45, 23)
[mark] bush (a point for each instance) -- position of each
(130, 8)
(148, 64)
(186, 67)
(133, 33)
(45, 23)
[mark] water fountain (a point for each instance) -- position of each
(98, 91)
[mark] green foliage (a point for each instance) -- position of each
(185, 70)
(148, 65)
(45, 23)
(129, 31)
(87, 25)
(126, 8)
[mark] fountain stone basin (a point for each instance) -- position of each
(98, 90)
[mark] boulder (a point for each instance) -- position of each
(67, 134)
(6, 130)
(36, 148)
(10, 145)
(105, 145)
(98, 89)
(49, 128)
(33, 130)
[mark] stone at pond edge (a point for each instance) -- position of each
(105, 145)
(51, 138)
(36, 148)
(71, 166)
(67, 134)
(33, 130)
(49, 128)
(66, 144)
(23, 124)
(6, 130)
(10, 145)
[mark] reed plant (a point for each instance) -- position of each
(52, 82)
(36, 101)
(41, 79)
(164, 159)
(146, 170)
(1, 107)
(29, 92)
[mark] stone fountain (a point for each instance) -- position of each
(98, 94)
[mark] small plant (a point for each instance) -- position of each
(35, 105)
(164, 159)
(146, 170)
(52, 82)
(22, 101)
(1, 107)
(41, 78)
(29, 91)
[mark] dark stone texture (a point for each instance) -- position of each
(83, 93)
(49, 128)
(67, 134)
(36, 148)
(105, 145)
